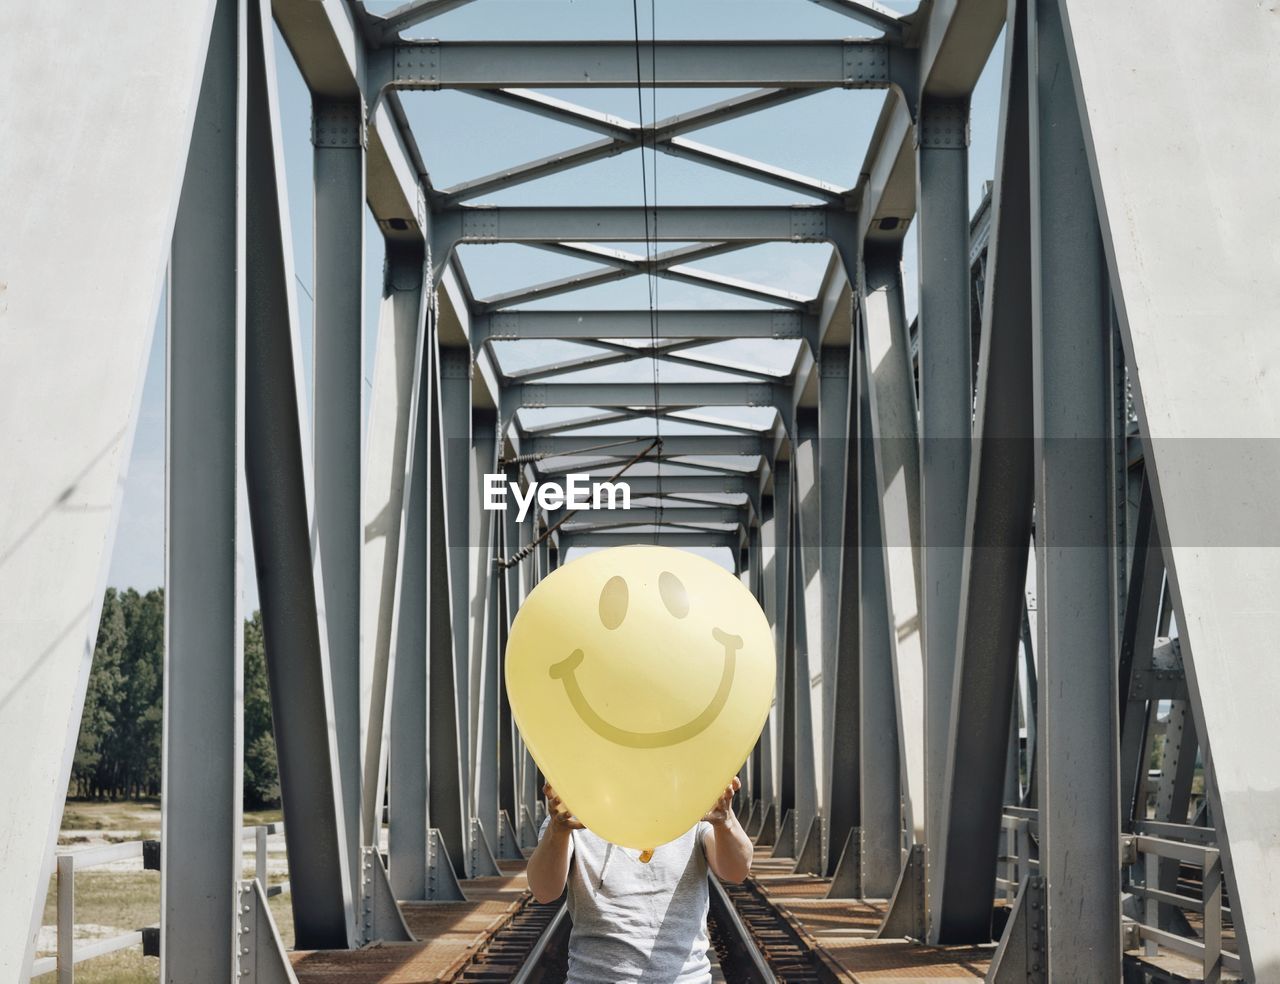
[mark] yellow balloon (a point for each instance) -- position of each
(640, 678)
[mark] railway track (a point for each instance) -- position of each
(527, 950)
(755, 943)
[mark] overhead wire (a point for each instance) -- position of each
(650, 234)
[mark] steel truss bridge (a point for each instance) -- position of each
(1087, 406)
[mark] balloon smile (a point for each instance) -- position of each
(564, 671)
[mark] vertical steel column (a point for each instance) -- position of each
(337, 136)
(204, 635)
(278, 472)
(891, 392)
(483, 605)
(768, 744)
(512, 749)
(845, 809)
(807, 631)
(407, 681)
(508, 741)
(946, 407)
(996, 530)
(407, 645)
(784, 629)
(833, 442)
(525, 581)
(1071, 324)
(396, 406)
(881, 768)
(1141, 615)
(455, 429)
(446, 739)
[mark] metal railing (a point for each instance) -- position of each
(70, 952)
(1153, 841)
(1208, 949)
(1016, 858)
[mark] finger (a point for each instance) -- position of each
(735, 785)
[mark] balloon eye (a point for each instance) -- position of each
(613, 602)
(674, 596)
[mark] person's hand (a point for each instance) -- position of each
(562, 817)
(722, 809)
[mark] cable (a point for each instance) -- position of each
(504, 563)
(650, 239)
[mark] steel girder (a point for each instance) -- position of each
(201, 841)
(1071, 363)
(446, 555)
(537, 395)
(720, 224)
(624, 446)
(647, 516)
(892, 431)
(946, 401)
(392, 459)
(851, 63)
(405, 599)
(339, 168)
(996, 531)
(834, 426)
(882, 776)
(290, 581)
(806, 634)
(664, 537)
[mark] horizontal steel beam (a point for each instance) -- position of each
(623, 447)
(536, 395)
(649, 515)
(622, 537)
(644, 485)
(809, 64)
(632, 224)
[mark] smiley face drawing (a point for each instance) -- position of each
(640, 678)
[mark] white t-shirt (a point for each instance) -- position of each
(638, 923)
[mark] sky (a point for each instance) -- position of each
(462, 136)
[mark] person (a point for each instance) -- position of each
(637, 922)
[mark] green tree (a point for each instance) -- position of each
(140, 727)
(118, 752)
(101, 700)
(261, 773)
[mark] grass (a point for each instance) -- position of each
(128, 900)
